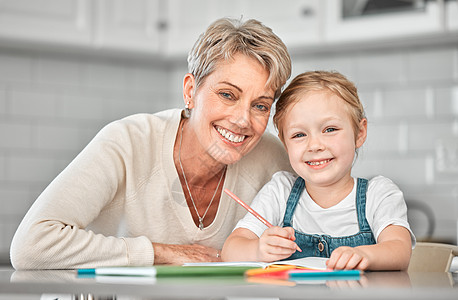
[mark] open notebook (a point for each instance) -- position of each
(316, 263)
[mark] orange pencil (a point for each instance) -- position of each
(248, 208)
(270, 270)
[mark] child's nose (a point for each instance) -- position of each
(315, 143)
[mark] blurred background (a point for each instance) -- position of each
(69, 67)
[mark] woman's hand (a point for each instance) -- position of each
(180, 254)
(276, 243)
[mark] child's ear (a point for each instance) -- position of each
(362, 133)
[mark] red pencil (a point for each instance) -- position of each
(247, 207)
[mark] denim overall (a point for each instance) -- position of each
(323, 245)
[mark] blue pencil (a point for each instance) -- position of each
(297, 274)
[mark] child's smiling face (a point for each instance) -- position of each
(320, 139)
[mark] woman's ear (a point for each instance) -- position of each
(188, 90)
(362, 133)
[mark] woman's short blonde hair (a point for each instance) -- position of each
(226, 37)
(319, 81)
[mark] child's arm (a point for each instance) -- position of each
(392, 252)
(275, 243)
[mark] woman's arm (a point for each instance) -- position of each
(392, 252)
(180, 254)
(55, 225)
(274, 244)
(91, 192)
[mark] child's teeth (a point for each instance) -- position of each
(316, 163)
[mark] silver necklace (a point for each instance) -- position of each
(201, 219)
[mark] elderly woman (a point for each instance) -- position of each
(148, 188)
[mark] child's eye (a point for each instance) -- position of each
(298, 135)
(330, 129)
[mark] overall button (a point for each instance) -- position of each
(321, 247)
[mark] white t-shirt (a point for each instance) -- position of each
(385, 206)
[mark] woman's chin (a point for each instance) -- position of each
(229, 158)
(227, 154)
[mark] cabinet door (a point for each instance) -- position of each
(297, 22)
(186, 20)
(46, 21)
(451, 14)
(128, 25)
(347, 23)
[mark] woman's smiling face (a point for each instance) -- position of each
(230, 109)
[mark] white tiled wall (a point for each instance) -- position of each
(50, 107)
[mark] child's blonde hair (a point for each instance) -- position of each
(319, 81)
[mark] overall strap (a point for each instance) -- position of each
(361, 190)
(293, 199)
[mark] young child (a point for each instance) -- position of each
(358, 224)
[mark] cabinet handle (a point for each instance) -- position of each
(162, 25)
(307, 12)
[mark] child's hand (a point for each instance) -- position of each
(348, 258)
(276, 243)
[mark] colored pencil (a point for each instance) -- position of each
(252, 211)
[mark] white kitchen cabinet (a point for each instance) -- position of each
(46, 21)
(297, 22)
(451, 15)
(186, 20)
(128, 25)
(427, 19)
(169, 28)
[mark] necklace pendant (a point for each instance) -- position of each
(201, 223)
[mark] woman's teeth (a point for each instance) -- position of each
(317, 163)
(230, 136)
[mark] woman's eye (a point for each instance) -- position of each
(261, 107)
(226, 95)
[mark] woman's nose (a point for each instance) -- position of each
(241, 116)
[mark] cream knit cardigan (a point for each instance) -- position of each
(122, 192)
